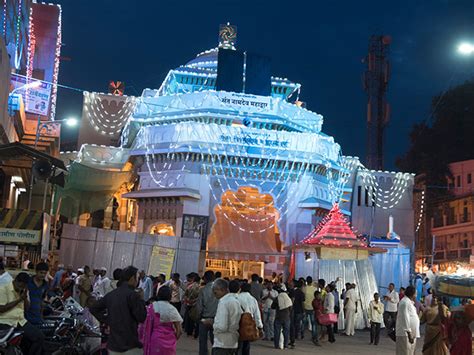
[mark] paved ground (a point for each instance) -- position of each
(359, 344)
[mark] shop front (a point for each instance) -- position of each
(24, 237)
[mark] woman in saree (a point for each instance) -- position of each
(162, 327)
(433, 316)
(459, 334)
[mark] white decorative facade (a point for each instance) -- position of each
(246, 174)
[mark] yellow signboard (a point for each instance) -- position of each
(161, 261)
(327, 253)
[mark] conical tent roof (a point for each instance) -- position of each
(334, 230)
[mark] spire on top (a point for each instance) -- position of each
(227, 36)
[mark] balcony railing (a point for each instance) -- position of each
(451, 220)
(452, 254)
(465, 218)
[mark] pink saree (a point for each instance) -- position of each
(157, 337)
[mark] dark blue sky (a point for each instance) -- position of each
(319, 44)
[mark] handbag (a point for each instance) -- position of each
(194, 313)
(248, 330)
(327, 318)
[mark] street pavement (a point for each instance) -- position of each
(344, 345)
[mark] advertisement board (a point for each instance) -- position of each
(161, 261)
(37, 100)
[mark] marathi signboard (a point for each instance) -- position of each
(161, 261)
(244, 102)
(21, 226)
(37, 100)
(20, 236)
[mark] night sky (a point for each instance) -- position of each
(319, 44)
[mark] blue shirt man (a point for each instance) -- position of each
(37, 288)
(57, 276)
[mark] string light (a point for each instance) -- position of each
(17, 39)
(278, 111)
(57, 55)
(385, 199)
(101, 118)
(335, 230)
(422, 206)
(5, 19)
(231, 165)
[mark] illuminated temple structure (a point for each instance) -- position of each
(236, 177)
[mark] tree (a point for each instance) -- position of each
(449, 138)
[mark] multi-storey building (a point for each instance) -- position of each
(448, 235)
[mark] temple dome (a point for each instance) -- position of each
(206, 59)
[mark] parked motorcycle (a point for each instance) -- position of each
(10, 340)
(68, 331)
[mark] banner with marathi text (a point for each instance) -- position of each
(161, 261)
(20, 226)
(37, 100)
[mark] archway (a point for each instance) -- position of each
(245, 237)
(162, 229)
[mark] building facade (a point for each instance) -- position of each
(245, 175)
(448, 236)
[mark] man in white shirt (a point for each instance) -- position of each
(408, 324)
(146, 285)
(75, 291)
(391, 307)
(227, 320)
(268, 296)
(350, 308)
(329, 303)
(249, 305)
(375, 315)
(104, 285)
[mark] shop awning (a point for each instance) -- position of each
(88, 189)
(16, 150)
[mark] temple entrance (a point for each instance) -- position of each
(236, 268)
(162, 229)
(245, 238)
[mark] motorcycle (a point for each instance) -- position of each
(68, 331)
(10, 340)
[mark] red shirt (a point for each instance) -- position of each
(317, 307)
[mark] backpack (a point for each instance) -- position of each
(248, 328)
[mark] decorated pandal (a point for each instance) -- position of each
(336, 253)
(249, 175)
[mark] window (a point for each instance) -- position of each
(359, 195)
(458, 181)
(465, 215)
(366, 196)
(469, 178)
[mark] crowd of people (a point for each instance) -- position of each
(142, 314)
(447, 329)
